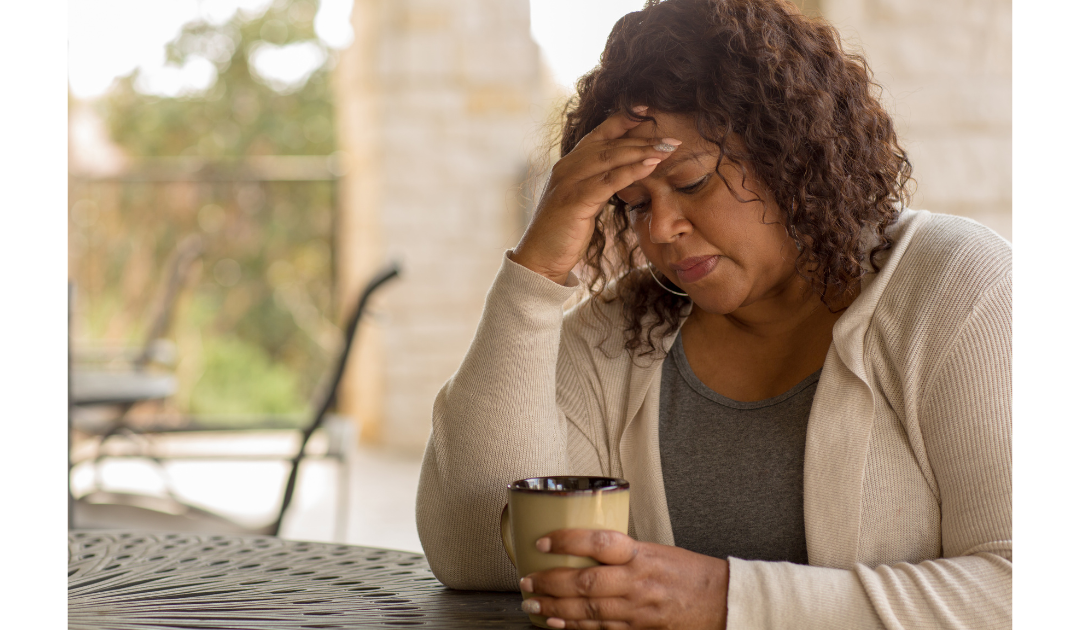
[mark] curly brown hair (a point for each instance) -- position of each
(774, 90)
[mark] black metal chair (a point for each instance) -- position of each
(103, 510)
(330, 395)
(119, 378)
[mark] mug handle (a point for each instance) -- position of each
(508, 534)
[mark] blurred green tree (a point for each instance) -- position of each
(242, 113)
(262, 309)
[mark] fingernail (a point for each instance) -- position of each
(544, 544)
(671, 141)
(526, 584)
(640, 109)
(647, 162)
(665, 147)
(531, 606)
(555, 622)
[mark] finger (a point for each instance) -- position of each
(604, 151)
(615, 126)
(602, 581)
(603, 545)
(586, 624)
(621, 152)
(598, 189)
(579, 609)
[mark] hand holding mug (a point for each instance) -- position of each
(636, 585)
(540, 505)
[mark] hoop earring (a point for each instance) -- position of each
(798, 240)
(662, 285)
(795, 233)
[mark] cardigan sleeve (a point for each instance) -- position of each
(966, 422)
(495, 420)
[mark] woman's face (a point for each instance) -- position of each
(726, 248)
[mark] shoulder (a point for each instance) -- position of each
(945, 270)
(953, 250)
(945, 262)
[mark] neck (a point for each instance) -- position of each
(764, 348)
(784, 312)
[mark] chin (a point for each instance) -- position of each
(721, 292)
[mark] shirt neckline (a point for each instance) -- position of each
(691, 379)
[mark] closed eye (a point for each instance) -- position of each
(695, 186)
(689, 189)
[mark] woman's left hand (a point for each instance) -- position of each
(637, 585)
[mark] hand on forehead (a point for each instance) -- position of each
(666, 126)
(681, 127)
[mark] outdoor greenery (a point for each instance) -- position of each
(254, 332)
(240, 114)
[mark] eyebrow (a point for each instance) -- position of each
(667, 165)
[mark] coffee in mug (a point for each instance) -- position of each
(538, 506)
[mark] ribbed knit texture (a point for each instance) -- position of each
(907, 484)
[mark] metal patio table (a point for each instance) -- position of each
(128, 580)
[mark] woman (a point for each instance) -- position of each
(807, 386)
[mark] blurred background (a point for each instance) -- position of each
(240, 170)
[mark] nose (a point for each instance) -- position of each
(666, 221)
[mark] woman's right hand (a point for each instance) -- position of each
(604, 162)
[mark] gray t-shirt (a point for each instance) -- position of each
(733, 471)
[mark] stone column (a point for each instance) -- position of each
(437, 100)
(358, 238)
(946, 66)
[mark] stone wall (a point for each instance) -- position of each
(437, 102)
(946, 69)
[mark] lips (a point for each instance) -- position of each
(695, 268)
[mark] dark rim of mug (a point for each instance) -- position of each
(568, 484)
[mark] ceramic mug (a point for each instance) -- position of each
(538, 506)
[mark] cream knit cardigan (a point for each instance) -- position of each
(907, 479)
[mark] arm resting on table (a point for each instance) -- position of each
(495, 421)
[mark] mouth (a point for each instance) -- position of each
(695, 268)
